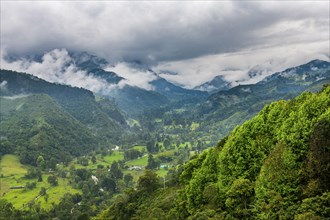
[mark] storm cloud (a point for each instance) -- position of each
(171, 33)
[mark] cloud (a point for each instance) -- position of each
(56, 66)
(159, 31)
(195, 39)
(3, 85)
(235, 66)
(15, 96)
(134, 76)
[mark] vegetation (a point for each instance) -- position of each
(68, 155)
(34, 127)
(263, 170)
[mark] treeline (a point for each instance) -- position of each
(274, 166)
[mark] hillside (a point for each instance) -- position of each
(176, 93)
(134, 100)
(230, 108)
(274, 166)
(35, 125)
(79, 103)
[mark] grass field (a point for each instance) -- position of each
(115, 156)
(143, 161)
(13, 175)
(140, 148)
(10, 166)
(105, 161)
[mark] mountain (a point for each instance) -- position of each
(35, 125)
(131, 99)
(134, 100)
(94, 66)
(216, 84)
(232, 107)
(174, 92)
(308, 73)
(79, 103)
(274, 166)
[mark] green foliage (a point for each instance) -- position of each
(317, 171)
(36, 132)
(30, 185)
(263, 170)
(43, 191)
(7, 211)
(152, 163)
(317, 207)
(132, 154)
(149, 182)
(115, 171)
(200, 178)
(52, 180)
(238, 198)
(128, 179)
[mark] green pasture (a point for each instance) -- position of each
(12, 174)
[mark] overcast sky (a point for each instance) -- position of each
(197, 40)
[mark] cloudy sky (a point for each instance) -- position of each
(193, 40)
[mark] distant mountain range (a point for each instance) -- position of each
(216, 84)
(132, 99)
(225, 109)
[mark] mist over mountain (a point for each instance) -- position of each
(216, 84)
(234, 106)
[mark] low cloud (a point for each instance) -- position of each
(160, 31)
(15, 96)
(3, 85)
(56, 66)
(134, 75)
(235, 67)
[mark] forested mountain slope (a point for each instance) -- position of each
(230, 108)
(274, 166)
(79, 103)
(35, 125)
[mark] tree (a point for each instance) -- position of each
(52, 180)
(150, 146)
(149, 182)
(199, 146)
(7, 210)
(109, 183)
(30, 186)
(128, 179)
(115, 171)
(41, 163)
(83, 161)
(132, 154)
(93, 159)
(42, 191)
(152, 163)
(239, 196)
(167, 143)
